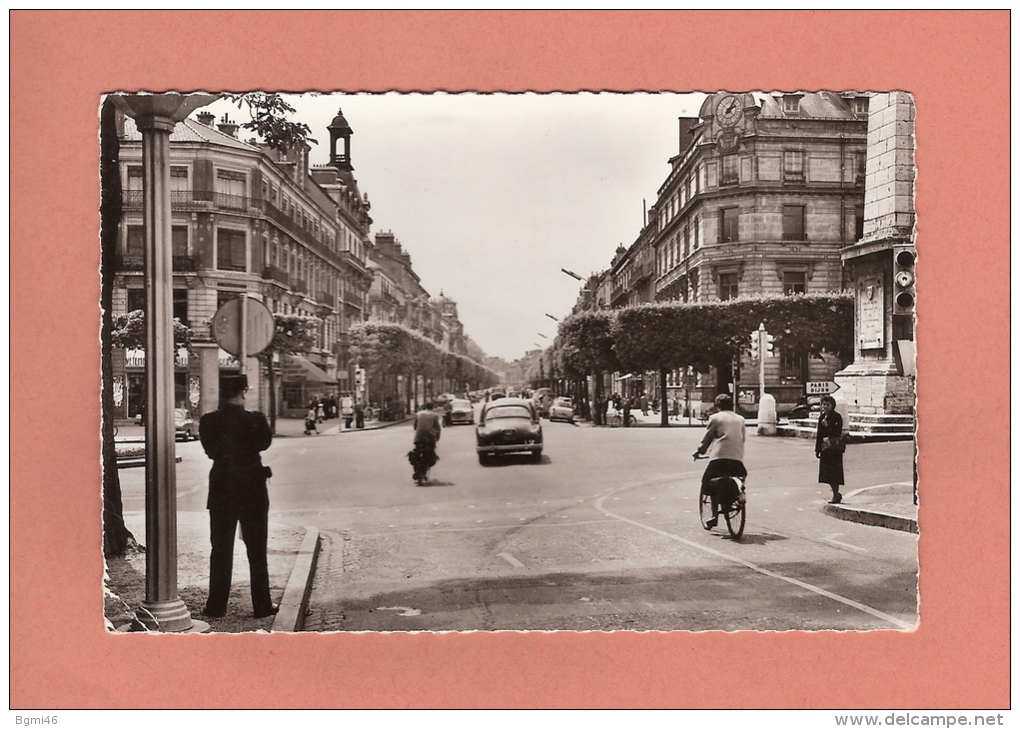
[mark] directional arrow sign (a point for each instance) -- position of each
(820, 388)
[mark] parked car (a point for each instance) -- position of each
(462, 411)
(562, 409)
(184, 426)
(808, 407)
(508, 425)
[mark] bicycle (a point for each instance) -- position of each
(617, 420)
(731, 503)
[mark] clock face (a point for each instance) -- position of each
(729, 111)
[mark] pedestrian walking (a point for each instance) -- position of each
(347, 410)
(320, 411)
(674, 408)
(643, 404)
(829, 447)
(234, 439)
(359, 414)
(627, 404)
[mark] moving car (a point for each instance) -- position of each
(562, 409)
(508, 425)
(462, 411)
(184, 426)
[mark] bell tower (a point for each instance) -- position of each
(340, 131)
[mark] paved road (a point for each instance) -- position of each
(603, 534)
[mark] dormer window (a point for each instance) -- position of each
(791, 104)
(860, 105)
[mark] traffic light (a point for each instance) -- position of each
(769, 350)
(903, 279)
(754, 345)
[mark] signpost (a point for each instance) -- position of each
(820, 388)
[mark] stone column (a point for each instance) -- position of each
(156, 116)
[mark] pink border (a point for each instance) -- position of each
(954, 63)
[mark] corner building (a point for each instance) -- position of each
(763, 194)
(247, 220)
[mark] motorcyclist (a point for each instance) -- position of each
(427, 430)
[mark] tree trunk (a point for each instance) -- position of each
(599, 399)
(663, 402)
(116, 536)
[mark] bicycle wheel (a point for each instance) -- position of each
(705, 509)
(735, 516)
(615, 421)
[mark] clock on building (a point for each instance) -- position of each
(729, 110)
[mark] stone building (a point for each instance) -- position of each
(879, 386)
(764, 192)
(245, 220)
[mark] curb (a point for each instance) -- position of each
(871, 518)
(341, 431)
(291, 617)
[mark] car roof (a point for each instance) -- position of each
(510, 401)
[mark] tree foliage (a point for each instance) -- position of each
(129, 332)
(269, 120)
(295, 334)
(585, 344)
(701, 335)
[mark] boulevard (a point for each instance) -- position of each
(603, 534)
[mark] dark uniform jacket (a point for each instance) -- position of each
(233, 438)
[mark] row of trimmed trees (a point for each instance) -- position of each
(391, 350)
(669, 336)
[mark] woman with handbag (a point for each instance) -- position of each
(829, 447)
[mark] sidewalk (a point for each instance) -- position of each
(292, 551)
(887, 505)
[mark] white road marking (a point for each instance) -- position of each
(902, 624)
(511, 559)
(405, 612)
(831, 539)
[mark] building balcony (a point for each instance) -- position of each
(326, 299)
(353, 298)
(193, 200)
(299, 287)
(277, 275)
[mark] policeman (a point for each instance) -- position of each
(233, 438)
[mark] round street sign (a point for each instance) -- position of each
(260, 328)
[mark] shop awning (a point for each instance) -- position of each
(298, 368)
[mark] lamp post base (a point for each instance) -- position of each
(168, 617)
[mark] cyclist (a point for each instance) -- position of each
(724, 435)
(427, 429)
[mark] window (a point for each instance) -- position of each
(794, 282)
(136, 300)
(178, 179)
(697, 226)
(134, 246)
(729, 230)
(231, 250)
(792, 366)
(793, 166)
(134, 178)
(181, 305)
(179, 240)
(791, 104)
(225, 295)
(859, 222)
(231, 188)
(793, 222)
(860, 105)
(687, 234)
(727, 286)
(730, 170)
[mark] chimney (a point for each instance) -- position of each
(686, 125)
(206, 118)
(228, 127)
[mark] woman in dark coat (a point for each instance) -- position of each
(829, 447)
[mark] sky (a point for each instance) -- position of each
(493, 194)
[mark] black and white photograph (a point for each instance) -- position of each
(457, 362)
